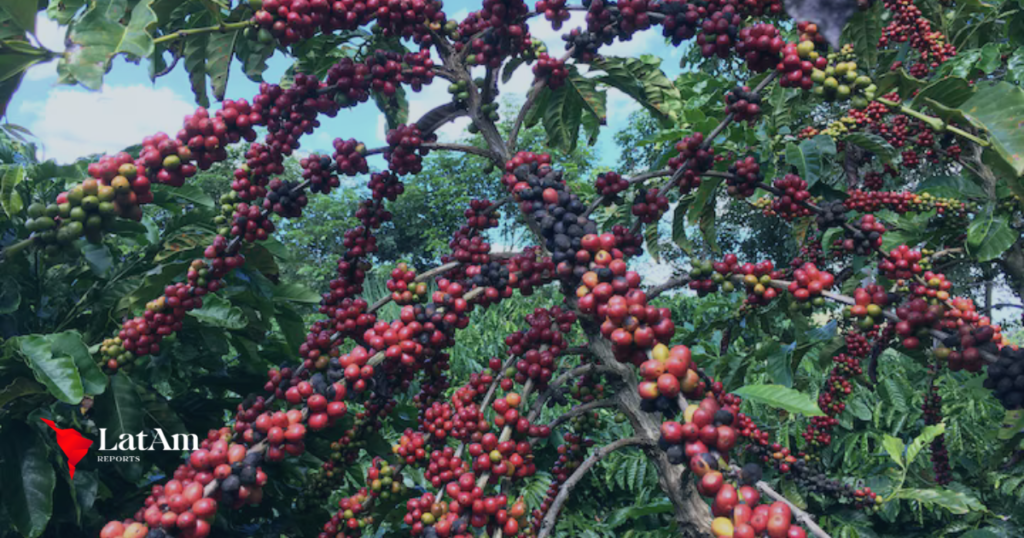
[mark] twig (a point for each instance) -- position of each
(581, 409)
(531, 98)
(483, 152)
(669, 284)
(223, 27)
(547, 526)
(801, 516)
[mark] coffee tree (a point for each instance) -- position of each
(811, 121)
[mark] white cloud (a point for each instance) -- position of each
(74, 122)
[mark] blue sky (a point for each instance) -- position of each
(71, 121)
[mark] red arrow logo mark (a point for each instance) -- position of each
(75, 446)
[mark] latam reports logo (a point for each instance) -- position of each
(75, 446)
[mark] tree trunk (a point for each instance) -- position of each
(691, 512)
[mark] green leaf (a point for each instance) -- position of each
(1015, 64)
(776, 359)
(999, 110)
(28, 478)
(190, 193)
(900, 81)
(989, 235)
(17, 57)
(292, 327)
(679, 226)
(99, 258)
(119, 409)
(566, 108)
(873, 143)
(949, 92)
(863, 30)
(219, 50)
(63, 11)
(10, 200)
(254, 56)
(1011, 425)
(296, 293)
(894, 446)
(653, 241)
(70, 343)
(624, 515)
(793, 493)
(705, 196)
(100, 35)
(21, 386)
(510, 68)
(136, 40)
(707, 228)
(394, 108)
(990, 59)
(7, 89)
(22, 13)
(643, 80)
(928, 434)
(219, 312)
(780, 397)
(956, 187)
(195, 64)
(953, 501)
(57, 372)
(808, 157)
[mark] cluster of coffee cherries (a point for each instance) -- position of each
(902, 263)
(842, 81)
(1006, 378)
(667, 374)
(909, 25)
(163, 317)
(537, 348)
(542, 195)
(745, 175)
(831, 215)
(349, 158)
(502, 458)
(743, 104)
(695, 157)
(874, 181)
(249, 222)
(508, 33)
(831, 399)
(611, 292)
(649, 205)
(868, 306)
(609, 184)
(932, 410)
(705, 279)
(405, 152)
(808, 284)
(703, 441)
(903, 202)
(972, 341)
(403, 286)
(285, 198)
(116, 189)
(571, 453)
(181, 506)
(793, 193)
(551, 69)
(760, 46)
(917, 317)
(865, 237)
